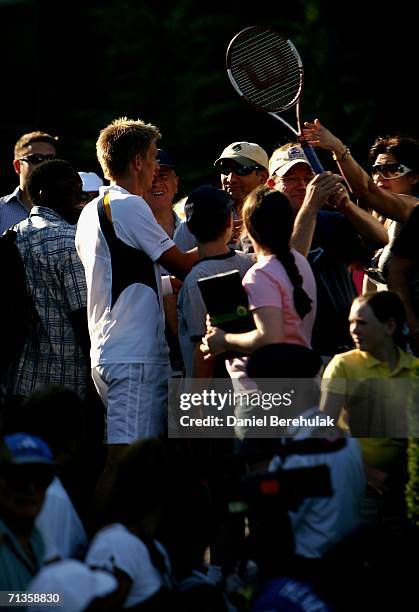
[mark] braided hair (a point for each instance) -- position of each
(269, 220)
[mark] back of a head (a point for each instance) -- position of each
(208, 212)
(53, 183)
(26, 140)
(56, 414)
(269, 218)
(120, 141)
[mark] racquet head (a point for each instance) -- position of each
(265, 69)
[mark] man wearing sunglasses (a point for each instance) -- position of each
(30, 150)
(242, 166)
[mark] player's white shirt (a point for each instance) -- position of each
(126, 318)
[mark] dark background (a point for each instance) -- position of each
(70, 68)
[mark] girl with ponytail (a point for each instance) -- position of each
(280, 286)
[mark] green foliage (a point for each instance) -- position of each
(412, 489)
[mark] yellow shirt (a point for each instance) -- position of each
(376, 399)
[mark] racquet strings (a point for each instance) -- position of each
(266, 68)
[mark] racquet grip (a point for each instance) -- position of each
(312, 157)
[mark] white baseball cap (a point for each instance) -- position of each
(76, 584)
(91, 181)
(245, 153)
(282, 160)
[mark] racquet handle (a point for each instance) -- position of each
(312, 157)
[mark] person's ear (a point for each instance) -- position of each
(137, 162)
(264, 176)
(16, 166)
(270, 183)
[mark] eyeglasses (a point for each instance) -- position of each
(293, 180)
(390, 171)
(239, 170)
(36, 158)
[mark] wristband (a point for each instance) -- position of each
(166, 285)
(344, 156)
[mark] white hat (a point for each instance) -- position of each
(282, 160)
(76, 584)
(246, 154)
(91, 181)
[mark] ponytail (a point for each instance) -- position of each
(302, 302)
(269, 219)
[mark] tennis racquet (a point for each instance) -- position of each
(266, 70)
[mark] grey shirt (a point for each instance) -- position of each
(191, 308)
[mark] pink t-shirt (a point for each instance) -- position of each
(267, 284)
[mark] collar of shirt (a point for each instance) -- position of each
(115, 187)
(46, 213)
(15, 195)
(405, 362)
(230, 253)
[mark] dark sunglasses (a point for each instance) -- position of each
(227, 169)
(36, 158)
(390, 171)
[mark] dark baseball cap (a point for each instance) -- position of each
(205, 202)
(164, 159)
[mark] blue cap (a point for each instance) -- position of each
(164, 159)
(25, 448)
(206, 201)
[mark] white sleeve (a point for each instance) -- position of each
(134, 224)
